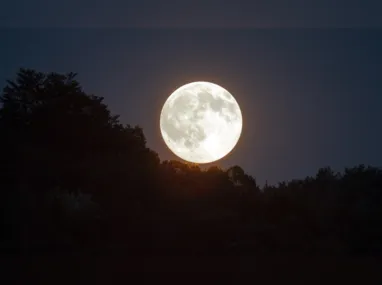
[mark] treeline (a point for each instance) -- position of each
(74, 178)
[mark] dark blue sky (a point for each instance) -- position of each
(310, 97)
(191, 13)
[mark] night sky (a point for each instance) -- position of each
(310, 97)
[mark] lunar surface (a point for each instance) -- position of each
(201, 122)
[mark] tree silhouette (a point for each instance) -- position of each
(73, 176)
(59, 136)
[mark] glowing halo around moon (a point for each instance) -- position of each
(201, 122)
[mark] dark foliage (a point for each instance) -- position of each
(73, 177)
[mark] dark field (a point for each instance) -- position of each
(113, 268)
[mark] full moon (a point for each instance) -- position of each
(201, 122)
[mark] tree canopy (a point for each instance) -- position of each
(72, 175)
